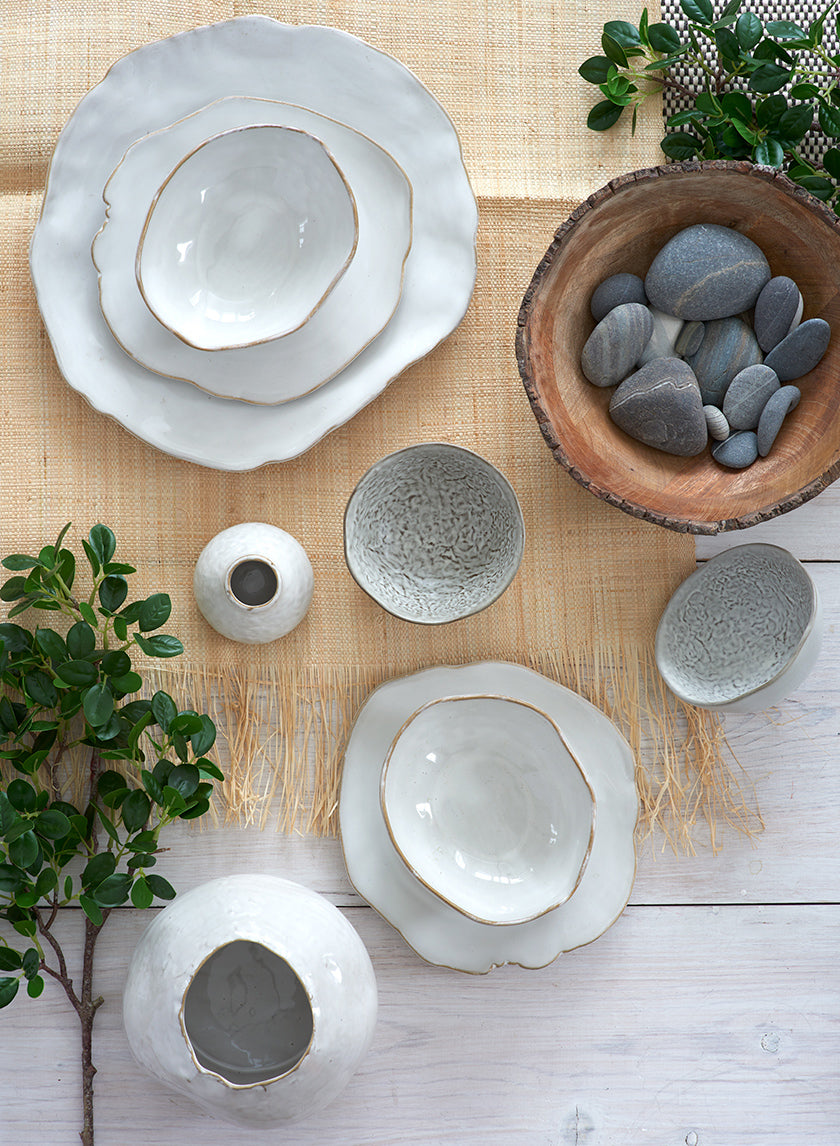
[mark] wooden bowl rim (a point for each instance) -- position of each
(561, 236)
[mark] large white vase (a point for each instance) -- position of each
(253, 996)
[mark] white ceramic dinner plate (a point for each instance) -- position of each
(437, 932)
(357, 308)
(327, 71)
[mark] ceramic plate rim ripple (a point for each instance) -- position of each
(167, 183)
(166, 80)
(438, 933)
(412, 867)
(283, 369)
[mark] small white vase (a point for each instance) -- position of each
(253, 582)
(253, 996)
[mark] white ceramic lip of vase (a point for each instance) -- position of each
(263, 560)
(264, 1082)
(422, 871)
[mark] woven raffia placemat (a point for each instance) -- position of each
(593, 581)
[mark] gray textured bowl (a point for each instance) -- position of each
(433, 533)
(741, 633)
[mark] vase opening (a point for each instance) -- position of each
(253, 582)
(246, 1014)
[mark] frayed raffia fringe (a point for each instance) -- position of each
(282, 732)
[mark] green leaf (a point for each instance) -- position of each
(163, 645)
(199, 808)
(141, 894)
(112, 592)
(81, 641)
(8, 815)
(141, 860)
(681, 145)
(30, 962)
(91, 910)
(804, 91)
(817, 185)
(794, 123)
(68, 887)
(77, 673)
(829, 118)
(120, 628)
(47, 881)
(152, 787)
(769, 78)
(115, 663)
(161, 887)
(769, 153)
(93, 560)
(17, 561)
(35, 987)
(664, 38)
(107, 825)
(187, 723)
(9, 960)
(770, 110)
(831, 162)
(8, 990)
(113, 891)
(51, 643)
(602, 116)
(203, 740)
(130, 682)
(111, 782)
(103, 543)
(613, 51)
(24, 850)
(99, 867)
(66, 568)
(88, 614)
(184, 779)
(98, 705)
(161, 771)
(668, 62)
(737, 105)
(135, 810)
(595, 69)
(785, 30)
(624, 33)
(26, 927)
(40, 688)
(135, 709)
(173, 800)
(164, 709)
(744, 131)
(52, 824)
(208, 768)
(700, 11)
(727, 44)
(118, 567)
(143, 842)
(22, 796)
(15, 587)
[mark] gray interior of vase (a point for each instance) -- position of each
(247, 1015)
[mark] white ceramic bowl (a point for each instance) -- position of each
(433, 533)
(741, 633)
(246, 237)
(487, 807)
(357, 310)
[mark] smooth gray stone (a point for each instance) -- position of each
(801, 351)
(738, 451)
(616, 344)
(747, 396)
(689, 339)
(728, 347)
(614, 291)
(666, 329)
(716, 423)
(780, 404)
(778, 310)
(706, 272)
(660, 406)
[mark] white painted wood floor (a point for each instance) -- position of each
(709, 1015)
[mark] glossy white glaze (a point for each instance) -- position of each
(487, 807)
(246, 237)
(329, 71)
(295, 955)
(436, 931)
(353, 314)
(286, 570)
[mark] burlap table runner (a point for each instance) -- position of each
(593, 581)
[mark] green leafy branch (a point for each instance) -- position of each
(737, 110)
(147, 765)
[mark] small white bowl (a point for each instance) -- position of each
(487, 807)
(433, 533)
(741, 633)
(246, 237)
